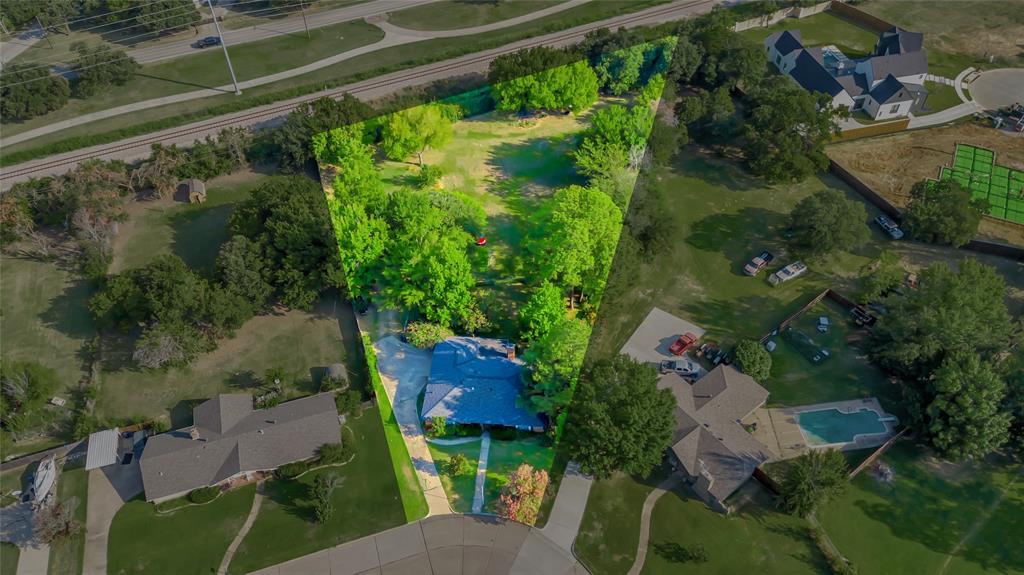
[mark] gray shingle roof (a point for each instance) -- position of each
(472, 381)
(890, 90)
(785, 41)
(708, 435)
(234, 438)
(905, 64)
(812, 76)
(896, 40)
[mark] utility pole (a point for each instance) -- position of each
(44, 32)
(3, 27)
(302, 8)
(223, 45)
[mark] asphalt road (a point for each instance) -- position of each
(138, 147)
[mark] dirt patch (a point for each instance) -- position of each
(892, 164)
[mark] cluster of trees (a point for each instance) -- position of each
(754, 359)
(943, 212)
(827, 221)
(168, 165)
(290, 144)
(156, 16)
(542, 79)
(30, 89)
(948, 342)
(25, 387)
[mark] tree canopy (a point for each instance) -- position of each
(544, 309)
(413, 130)
(812, 479)
(554, 362)
(620, 420)
(943, 212)
(99, 67)
(828, 221)
(291, 143)
(29, 90)
(754, 359)
(570, 87)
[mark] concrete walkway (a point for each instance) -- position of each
(481, 472)
(257, 502)
(958, 84)
(944, 116)
(567, 513)
(109, 488)
(403, 371)
(33, 560)
(459, 441)
(645, 520)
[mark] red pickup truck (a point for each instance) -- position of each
(682, 344)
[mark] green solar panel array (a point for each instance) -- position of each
(1003, 187)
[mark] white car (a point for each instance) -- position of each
(793, 270)
(683, 367)
(888, 226)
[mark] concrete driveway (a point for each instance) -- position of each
(109, 489)
(995, 89)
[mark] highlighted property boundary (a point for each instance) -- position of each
(413, 500)
(1001, 186)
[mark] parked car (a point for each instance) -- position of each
(683, 367)
(757, 264)
(207, 42)
(682, 344)
(889, 226)
(793, 270)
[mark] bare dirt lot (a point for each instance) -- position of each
(891, 165)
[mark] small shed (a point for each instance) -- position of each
(194, 189)
(102, 450)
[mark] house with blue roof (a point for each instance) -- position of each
(885, 85)
(477, 381)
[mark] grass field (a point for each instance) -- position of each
(360, 67)
(458, 488)
(14, 480)
(610, 528)
(962, 516)
(506, 456)
(821, 30)
(366, 501)
(190, 540)
(207, 69)
(451, 14)
(66, 555)
(940, 97)
(755, 539)
(9, 554)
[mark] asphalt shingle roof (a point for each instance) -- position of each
(812, 76)
(786, 41)
(473, 381)
(896, 40)
(899, 65)
(890, 90)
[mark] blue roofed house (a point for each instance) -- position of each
(887, 84)
(477, 381)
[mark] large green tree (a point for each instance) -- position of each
(29, 90)
(570, 87)
(99, 67)
(828, 221)
(754, 359)
(812, 479)
(555, 361)
(544, 309)
(880, 276)
(290, 143)
(414, 130)
(166, 16)
(245, 272)
(620, 420)
(943, 212)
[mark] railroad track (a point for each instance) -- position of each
(214, 124)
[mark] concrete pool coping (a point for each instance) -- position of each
(779, 429)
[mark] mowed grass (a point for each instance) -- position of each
(506, 456)
(452, 14)
(754, 539)
(207, 69)
(366, 501)
(940, 96)
(189, 540)
(16, 479)
(610, 528)
(821, 30)
(933, 518)
(458, 488)
(66, 554)
(9, 554)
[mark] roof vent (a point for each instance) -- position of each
(260, 432)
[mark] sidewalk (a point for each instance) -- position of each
(567, 513)
(34, 560)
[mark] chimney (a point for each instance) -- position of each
(193, 433)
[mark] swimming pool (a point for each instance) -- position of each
(831, 426)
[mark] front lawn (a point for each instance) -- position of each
(458, 488)
(190, 540)
(66, 555)
(366, 501)
(506, 456)
(821, 30)
(940, 97)
(9, 554)
(930, 511)
(14, 480)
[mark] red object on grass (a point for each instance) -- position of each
(682, 344)
(481, 241)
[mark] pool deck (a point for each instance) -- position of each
(778, 428)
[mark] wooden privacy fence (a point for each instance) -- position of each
(878, 453)
(860, 17)
(767, 481)
(873, 130)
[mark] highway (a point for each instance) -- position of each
(138, 147)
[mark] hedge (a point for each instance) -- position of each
(204, 494)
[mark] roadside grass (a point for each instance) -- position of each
(366, 501)
(458, 488)
(9, 554)
(171, 225)
(414, 502)
(453, 14)
(506, 455)
(821, 30)
(190, 540)
(610, 529)
(66, 554)
(940, 96)
(756, 538)
(913, 524)
(207, 69)
(14, 480)
(359, 68)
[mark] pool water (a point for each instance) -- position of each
(828, 426)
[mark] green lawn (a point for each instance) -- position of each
(755, 539)
(458, 488)
(14, 480)
(451, 14)
(190, 540)
(9, 554)
(610, 528)
(66, 555)
(912, 525)
(360, 67)
(367, 501)
(821, 30)
(207, 69)
(506, 456)
(940, 96)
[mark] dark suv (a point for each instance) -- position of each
(207, 42)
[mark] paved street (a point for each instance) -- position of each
(994, 89)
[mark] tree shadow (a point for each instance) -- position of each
(540, 164)
(243, 380)
(185, 83)
(68, 312)
(740, 235)
(181, 413)
(199, 233)
(293, 496)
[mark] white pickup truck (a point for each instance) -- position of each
(682, 367)
(793, 270)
